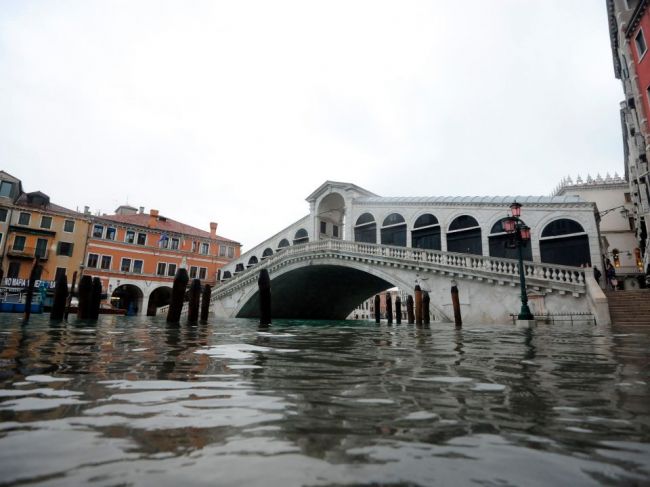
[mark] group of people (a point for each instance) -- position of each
(611, 282)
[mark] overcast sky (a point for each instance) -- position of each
(236, 111)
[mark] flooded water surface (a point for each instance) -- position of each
(133, 401)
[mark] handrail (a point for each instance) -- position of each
(494, 266)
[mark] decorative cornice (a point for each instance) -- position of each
(635, 20)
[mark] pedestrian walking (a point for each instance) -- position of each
(610, 273)
(597, 274)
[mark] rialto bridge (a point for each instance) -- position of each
(354, 244)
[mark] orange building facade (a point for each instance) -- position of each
(136, 256)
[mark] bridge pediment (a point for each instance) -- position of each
(347, 189)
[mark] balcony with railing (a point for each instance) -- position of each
(28, 252)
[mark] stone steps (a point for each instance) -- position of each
(629, 308)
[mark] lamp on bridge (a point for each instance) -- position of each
(519, 237)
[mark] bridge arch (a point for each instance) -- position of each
(365, 229)
(328, 288)
(464, 235)
(426, 232)
(564, 241)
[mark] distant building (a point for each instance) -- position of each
(31, 226)
(617, 224)
(629, 27)
(136, 256)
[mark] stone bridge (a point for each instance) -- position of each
(328, 278)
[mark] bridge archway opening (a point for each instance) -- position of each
(426, 233)
(301, 237)
(318, 292)
(268, 252)
(331, 216)
(128, 297)
(393, 230)
(499, 242)
(226, 275)
(161, 296)
(365, 230)
(252, 261)
(464, 236)
(283, 243)
(565, 242)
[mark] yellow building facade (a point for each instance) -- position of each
(30, 227)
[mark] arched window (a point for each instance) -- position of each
(501, 244)
(464, 235)
(393, 230)
(268, 252)
(252, 261)
(564, 242)
(301, 237)
(239, 268)
(283, 243)
(366, 229)
(226, 275)
(426, 233)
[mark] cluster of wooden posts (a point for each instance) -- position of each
(199, 297)
(417, 310)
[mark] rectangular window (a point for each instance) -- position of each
(125, 266)
(46, 222)
(205, 248)
(110, 233)
(14, 270)
(23, 218)
(171, 270)
(323, 227)
(137, 266)
(64, 248)
(98, 231)
(68, 226)
(231, 252)
(175, 243)
(5, 188)
(129, 237)
(162, 267)
(335, 230)
(106, 262)
(193, 272)
(222, 250)
(3, 214)
(142, 238)
(19, 243)
(641, 47)
(93, 260)
(60, 271)
(41, 248)
(203, 272)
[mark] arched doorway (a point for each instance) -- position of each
(426, 233)
(331, 216)
(564, 242)
(464, 236)
(393, 230)
(159, 297)
(365, 230)
(500, 241)
(128, 297)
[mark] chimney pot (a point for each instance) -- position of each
(142, 210)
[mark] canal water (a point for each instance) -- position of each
(133, 401)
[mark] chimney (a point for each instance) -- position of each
(213, 229)
(153, 216)
(86, 210)
(142, 210)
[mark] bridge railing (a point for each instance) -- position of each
(486, 265)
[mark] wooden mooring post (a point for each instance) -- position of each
(72, 291)
(60, 298)
(389, 308)
(398, 310)
(30, 289)
(455, 301)
(178, 296)
(205, 302)
(264, 288)
(85, 297)
(377, 309)
(418, 305)
(409, 310)
(426, 313)
(194, 302)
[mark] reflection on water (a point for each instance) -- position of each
(133, 401)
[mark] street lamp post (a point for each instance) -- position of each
(520, 236)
